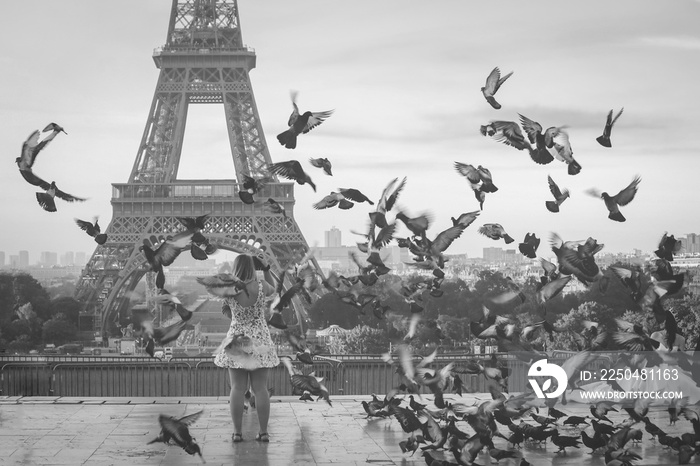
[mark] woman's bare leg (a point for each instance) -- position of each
(239, 385)
(258, 382)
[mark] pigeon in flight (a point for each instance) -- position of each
(299, 124)
(92, 230)
(31, 148)
(493, 83)
(539, 154)
(355, 195)
(507, 132)
(559, 196)
(604, 139)
(165, 254)
(332, 200)
(46, 200)
(275, 207)
(529, 245)
(465, 219)
(176, 429)
(322, 163)
(292, 170)
(622, 198)
(668, 246)
(252, 186)
(557, 142)
(495, 231)
(480, 180)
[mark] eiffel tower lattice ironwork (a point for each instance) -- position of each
(204, 61)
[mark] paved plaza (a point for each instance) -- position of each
(115, 431)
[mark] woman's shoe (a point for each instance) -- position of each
(263, 437)
(237, 438)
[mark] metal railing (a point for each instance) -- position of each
(210, 189)
(94, 376)
(206, 49)
(120, 379)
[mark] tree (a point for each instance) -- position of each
(58, 331)
(364, 339)
(330, 310)
(66, 308)
(573, 321)
(65, 289)
(687, 312)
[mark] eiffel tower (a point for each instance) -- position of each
(204, 61)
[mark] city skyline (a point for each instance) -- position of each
(81, 257)
(407, 103)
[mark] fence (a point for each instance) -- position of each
(198, 376)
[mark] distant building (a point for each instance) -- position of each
(48, 259)
(2, 259)
(493, 255)
(23, 259)
(333, 238)
(68, 259)
(14, 261)
(691, 243)
(335, 258)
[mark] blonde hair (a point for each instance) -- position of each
(244, 268)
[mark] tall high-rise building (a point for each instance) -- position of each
(48, 259)
(494, 255)
(692, 243)
(2, 259)
(333, 238)
(68, 259)
(80, 258)
(23, 259)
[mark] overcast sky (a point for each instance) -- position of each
(404, 78)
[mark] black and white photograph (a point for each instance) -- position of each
(350, 232)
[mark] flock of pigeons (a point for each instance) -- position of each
(437, 429)
(444, 442)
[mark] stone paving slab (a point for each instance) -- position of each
(103, 432)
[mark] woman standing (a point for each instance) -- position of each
(247, 312)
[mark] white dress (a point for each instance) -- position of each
(250, 322)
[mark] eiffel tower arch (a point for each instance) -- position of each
(204, 61)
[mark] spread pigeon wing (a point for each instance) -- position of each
(31, 178)
(29, 149)
(291, 169)
(191, 418)
(509, 133)
(616, 116)
(355, 195)
(556, 192)
(295, 113)
(68, 197)
(446, 237)
(88, 227)
(532, 128)
(492, 81)
(625, 196)
(316, 119)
